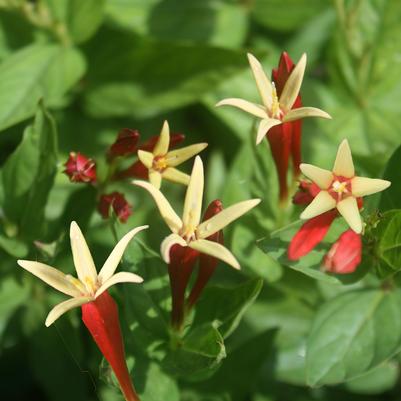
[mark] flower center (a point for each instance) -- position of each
(188, 233)
(275, 111)
(340, 188)
(159, 163)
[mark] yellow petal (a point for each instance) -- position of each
(51, 276)
(322, 203)
(348, 208)
(83, 261)
(362, 186)
(323, 178)
(163, 143)
(174, 175)
(176, 157)
(303, 112)
(216, 250)
(225, 217)
(146, 158)
(262, 81)
(155, 178)
(193, 199)
(64, 307)
(344, 165)
(167, 243)
(121, 277)
(166, 211)
(115, 256)
(264, 127)
(293, 85)
(244, 105)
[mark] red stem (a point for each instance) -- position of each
(101, 319)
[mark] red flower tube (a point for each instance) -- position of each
(101, 319)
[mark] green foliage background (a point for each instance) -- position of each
(75, 72)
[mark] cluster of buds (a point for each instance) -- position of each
(332, 194)
(154, 160)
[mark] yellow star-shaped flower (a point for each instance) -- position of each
(275, 110)
(89, 285)
(161, 162)
(340, 188)
(189, 231)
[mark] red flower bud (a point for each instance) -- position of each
(117, 201)
(149, 145)
(306, 193)
(207, 263)
(310, 234)
(125, 144)
(80, 168)
(101, 319)
(345, 255)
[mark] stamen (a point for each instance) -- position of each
(159, 163)
(275, 112)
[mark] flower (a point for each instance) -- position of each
(275, 109)
(117, 201)
(80, 168)
(188, 231)
(345, 254)
(340, 188)
(125, 144)
(161, 162)
(89, 285)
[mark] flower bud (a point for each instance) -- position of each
(80, 168)
(125, 144)
(117, 201)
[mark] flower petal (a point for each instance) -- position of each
(244, 105)
(323, 178)
(293, 85)
(225, 217)
(167, 243)
(174, 175)
(51, 276)
(115, 256)
(120, 277)
(323, 202)
(264, 127)
(348, 208)
(262, 81)
(155, 178)
(362, 186)
(193, 198)
(216, 250)
(146, 158)
(166, 211)
(176, 157)
(344, 165)
(83, 260)
(303, 112)
(163, 143)
(64, 307)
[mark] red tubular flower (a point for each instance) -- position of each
(137, 169)
(345, 254)
(182, 261)
(207, 263)
(101, 319)
(80, 168)
(125, 144)
(310, 234)
(117, 201)
(285, 139)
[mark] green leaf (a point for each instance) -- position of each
(286, 15)
(225, 316)
(119, 85)
(200, 351)
(204, 21)
(35, 72)
(28, 175)
(389, 244)
(81, 17)
(352, 334)
(391, 197)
